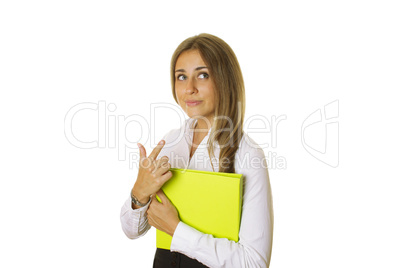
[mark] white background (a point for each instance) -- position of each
(60, 204)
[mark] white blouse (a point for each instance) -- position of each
(256, 228)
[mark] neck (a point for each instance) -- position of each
(203, 124)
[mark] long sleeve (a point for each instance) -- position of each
(134, 222)
(256, 230)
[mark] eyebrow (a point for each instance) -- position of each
(198, 68)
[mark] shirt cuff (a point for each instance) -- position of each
(139, 213)
(185, 238)
(141, 208)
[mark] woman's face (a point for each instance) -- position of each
(193, 86)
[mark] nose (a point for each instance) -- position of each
(191, 86)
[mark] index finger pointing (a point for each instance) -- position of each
(143, 152)
(155, 152)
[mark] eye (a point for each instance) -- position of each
(203, 75)
(181, 77)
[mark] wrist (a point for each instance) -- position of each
(176, 223)
(140, 197)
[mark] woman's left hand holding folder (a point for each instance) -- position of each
(163, 215)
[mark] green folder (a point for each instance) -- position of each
(208, 201)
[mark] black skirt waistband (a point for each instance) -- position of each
(166, 259)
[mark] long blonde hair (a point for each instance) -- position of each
(229, 91)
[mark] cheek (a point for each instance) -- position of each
(180, 101)
(211, 94)
(177, 95)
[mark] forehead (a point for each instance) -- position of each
(189, 59)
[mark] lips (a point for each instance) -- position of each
(192, 102)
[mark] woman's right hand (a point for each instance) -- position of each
(152, 174)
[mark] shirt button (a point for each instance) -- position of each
(173, 263)
(174, 254)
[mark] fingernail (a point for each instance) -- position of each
(161, 142)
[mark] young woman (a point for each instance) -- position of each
(208, 85)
